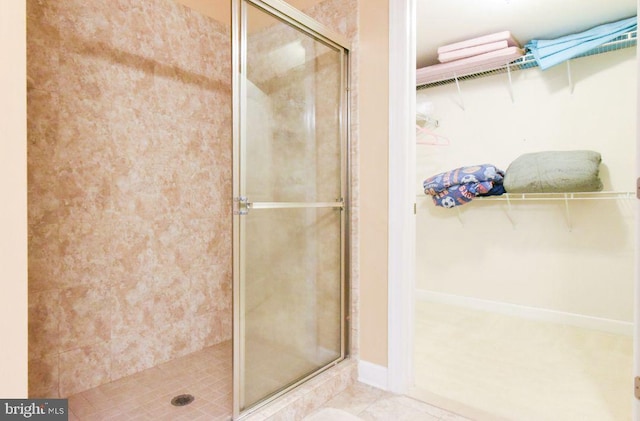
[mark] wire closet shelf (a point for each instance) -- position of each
(527, 61)
(601, 195)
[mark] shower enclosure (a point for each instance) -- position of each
(290, 199)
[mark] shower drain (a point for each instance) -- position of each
(182, 400)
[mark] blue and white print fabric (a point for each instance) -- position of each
(460, 186)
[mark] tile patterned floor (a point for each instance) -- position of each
(365, 403)
(207, 375)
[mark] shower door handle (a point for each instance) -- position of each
(242, 205)
(295, 205)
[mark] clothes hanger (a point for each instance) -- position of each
(426, 136)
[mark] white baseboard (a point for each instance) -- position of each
(373, 374)
(531, 313)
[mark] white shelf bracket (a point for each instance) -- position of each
(460, 216)
(566, 211)
(459, 92)
(510, 84)
(569, 76)
(510, 213)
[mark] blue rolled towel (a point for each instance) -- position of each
(548, 53)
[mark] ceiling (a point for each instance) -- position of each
(441, 22)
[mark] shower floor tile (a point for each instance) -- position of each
(206, 374)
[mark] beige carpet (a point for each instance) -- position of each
(491, 366)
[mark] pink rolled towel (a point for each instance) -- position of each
(485, 39)
(471, 51)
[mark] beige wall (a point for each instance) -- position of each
(13, 190)
(373, 104)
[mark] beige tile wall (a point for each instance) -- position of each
(129, 186)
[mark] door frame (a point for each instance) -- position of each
(319, 32)
(636, 306)
(401, 254)
(402, 172)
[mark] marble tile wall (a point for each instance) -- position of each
(129, 186)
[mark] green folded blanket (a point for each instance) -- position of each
(554, 172)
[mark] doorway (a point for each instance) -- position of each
(401, 234)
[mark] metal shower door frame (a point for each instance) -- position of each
(314, 29)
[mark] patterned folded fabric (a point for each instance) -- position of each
(460, 186)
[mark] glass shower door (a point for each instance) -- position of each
(290, 188)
